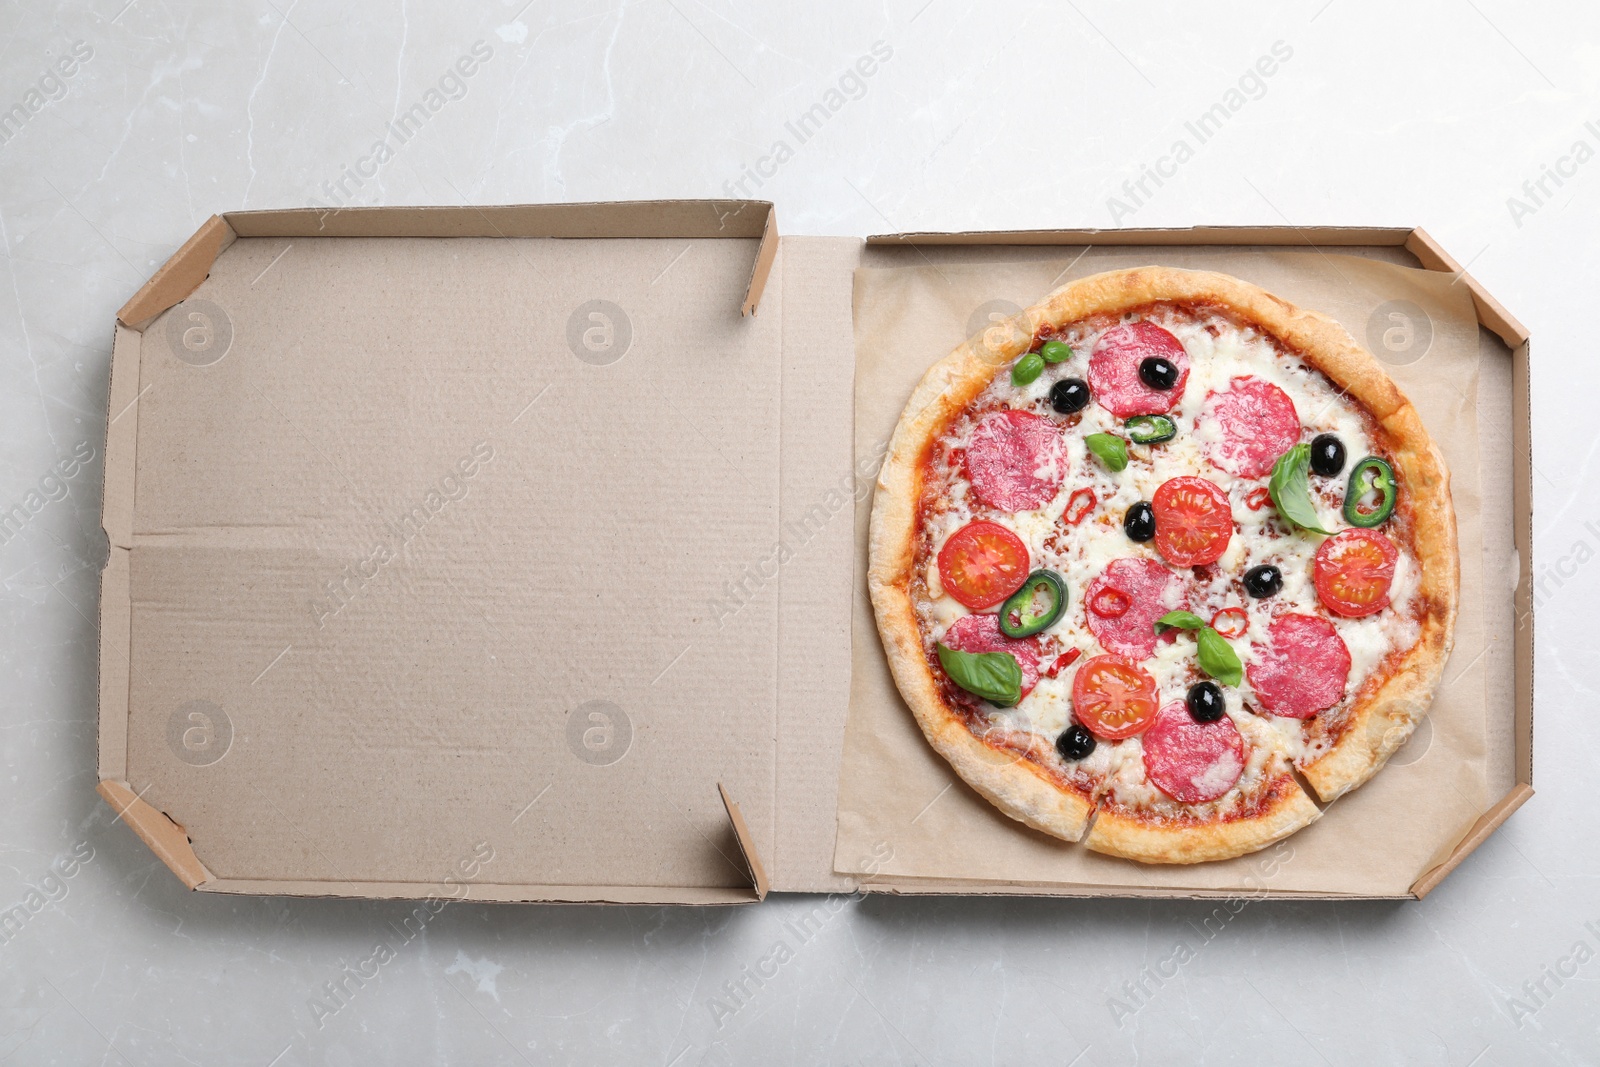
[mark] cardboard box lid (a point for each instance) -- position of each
(429, 545)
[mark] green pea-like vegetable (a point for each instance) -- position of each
(1027, 369)
(1055, 351)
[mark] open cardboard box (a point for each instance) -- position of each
(507, 553)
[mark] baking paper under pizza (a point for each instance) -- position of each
(1157, 556)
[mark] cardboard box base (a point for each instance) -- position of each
(911, 302)
(384, 489)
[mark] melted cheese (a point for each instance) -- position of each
(1218, 352)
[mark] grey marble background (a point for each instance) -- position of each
(1453, 115)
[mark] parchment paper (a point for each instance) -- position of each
(904, 814)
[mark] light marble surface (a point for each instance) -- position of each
(983, 116)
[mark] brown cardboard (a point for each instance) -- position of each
(747, 849)
(1327, 236)
(168, 840)
(822, 483)
(344, 397)
(179, 276)
(874, 811)
(1487, 824)
(1490, 313)
(188, 267)
(367, 347)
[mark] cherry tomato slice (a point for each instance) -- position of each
(1194, 521)
(1353, 571)
(1113, 698)
(1111, 603)
(1230, 622)
(1079, 504)
(983, 563)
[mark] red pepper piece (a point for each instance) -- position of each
(1079, 505)
(1111, 603)
(1062, 662)
(1231, 622)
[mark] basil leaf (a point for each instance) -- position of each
(1055, 351)
(1112, 450)
(1291, 489)
(1178, 620)
(994, 676)
(1218, 659)
(1027, 369)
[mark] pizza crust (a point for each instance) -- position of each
(1287, 810)
(1381, 721)
(1378, 722)
(1012, 784)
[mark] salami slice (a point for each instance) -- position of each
(1192, 762)
(1124, 602)
(1114, 369)
(1303, 668)
(1244, 428)
(981, 633)
(1016, 460)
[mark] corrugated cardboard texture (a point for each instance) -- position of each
(1493, 316)
(746, 841)
(338, 684)
(1522, 512)
(1340, 237)
(122, 420)
(179, 276)
(1450, 774)
(582, 221)
(168, 840)
(821, 488)
(433, 545)
(713, 219)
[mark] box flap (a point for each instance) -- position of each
(179, 276)
(426, 537)
(651, 219)
(1161, 235)
(168, 840)
(188, 267)
(1487, 824)
(122, 419)
(1490, 312)
(747, 845)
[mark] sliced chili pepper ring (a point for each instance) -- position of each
(1079, 504)
(1111, 603)
(1369, 498)
(1034, 607)
(1231, 622)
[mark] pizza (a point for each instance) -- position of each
(1159, 559)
